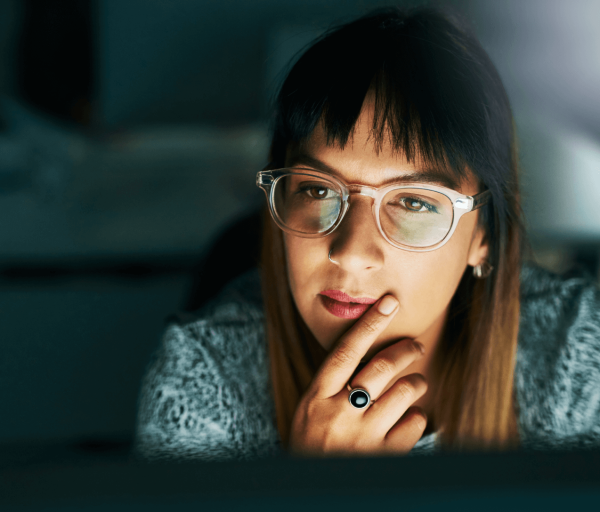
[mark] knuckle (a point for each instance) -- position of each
(311, 394)
(384, 365)
(328, 439)
(343, 357)
(419, 421)
(404, 389)
(371, 325)
(310, 407)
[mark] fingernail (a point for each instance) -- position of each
(387, 305)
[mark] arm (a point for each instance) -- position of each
(581, 364)
(558, 366)
(180, 413)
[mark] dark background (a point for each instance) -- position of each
(130, 135)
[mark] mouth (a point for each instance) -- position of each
(342, 305)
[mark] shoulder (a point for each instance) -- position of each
(230, 326)
(558, 359)
(206, 392)
(559, 311)
(225, 334)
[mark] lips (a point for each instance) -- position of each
(343, 305)
(343, 297)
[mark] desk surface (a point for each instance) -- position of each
(553, 480)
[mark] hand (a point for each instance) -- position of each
(325, 423)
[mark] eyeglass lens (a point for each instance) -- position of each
(416, 217)
(307, 203)
(311, 204)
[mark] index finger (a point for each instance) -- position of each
(340, 364)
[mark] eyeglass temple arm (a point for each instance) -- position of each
(481, 199)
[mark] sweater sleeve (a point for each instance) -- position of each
(206, 393)
(180, 406)
(582, 365)
(558, 382)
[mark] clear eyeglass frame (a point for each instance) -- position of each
(461, 203)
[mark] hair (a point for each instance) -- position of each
(437, 97)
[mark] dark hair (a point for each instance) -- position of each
(441, 99)
(436, 90)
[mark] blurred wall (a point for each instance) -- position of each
(109, 211)
(209, 62)
(548, 54)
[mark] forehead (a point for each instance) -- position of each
(361, 161)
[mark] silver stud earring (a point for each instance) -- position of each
(482, 270)
(329, 256)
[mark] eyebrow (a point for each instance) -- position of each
(427, 175)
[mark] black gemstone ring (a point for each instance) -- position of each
(359, 398)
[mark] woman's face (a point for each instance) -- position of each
(367, 265)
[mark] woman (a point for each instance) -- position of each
(393, 315)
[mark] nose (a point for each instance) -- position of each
(356, 243)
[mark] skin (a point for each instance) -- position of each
(368, 266)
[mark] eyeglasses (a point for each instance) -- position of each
(416, 217)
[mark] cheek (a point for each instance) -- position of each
(425, 284)
(308, 273)
(446, 265)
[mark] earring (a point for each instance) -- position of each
(329, 256)
(482, 270)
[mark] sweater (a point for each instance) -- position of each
(206, 392)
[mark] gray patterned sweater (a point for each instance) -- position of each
(206, 393)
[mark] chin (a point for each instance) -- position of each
(327, 331)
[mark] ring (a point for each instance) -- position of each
(359, 398)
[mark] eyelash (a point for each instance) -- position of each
(306, 188)
(429, 207)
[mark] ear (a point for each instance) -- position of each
(478, 250)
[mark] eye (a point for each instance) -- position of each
(413, 204)
(316, 191)
(410, 202)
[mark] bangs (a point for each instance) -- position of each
(434, 91)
